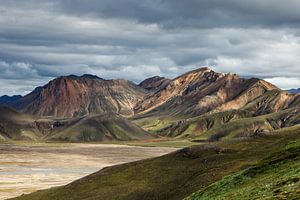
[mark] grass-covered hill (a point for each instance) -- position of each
(18, 126)
(98, 128)
(179, 174)
(275, 177)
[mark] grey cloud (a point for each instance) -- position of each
(191, 13)
(134, 39)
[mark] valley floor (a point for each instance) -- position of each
(27, 167)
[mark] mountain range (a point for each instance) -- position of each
(195, 105)
(246, 134)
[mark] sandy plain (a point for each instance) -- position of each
(27, 167)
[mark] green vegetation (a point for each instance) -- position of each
(276, 177)
(179, 174)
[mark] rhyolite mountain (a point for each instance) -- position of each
(72, 96)
(194, 93)
(201, 91)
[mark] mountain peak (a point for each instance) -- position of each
(72, 96)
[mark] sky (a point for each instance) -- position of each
(134, 39)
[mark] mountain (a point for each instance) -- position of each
(201, 105)
(201, 91)
(294, 91)
(9, 100)
(72, 96)
(155, 83)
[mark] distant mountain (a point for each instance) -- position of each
(294, 91)
(200, 104)
(9, 100)
(72, 96)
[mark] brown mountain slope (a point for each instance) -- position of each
(203, 90)
(71, 96)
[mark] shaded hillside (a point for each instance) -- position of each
(155, 83)
(18, 126)
(172, 176)
(97, 128)
(72, 96)
(201, 91)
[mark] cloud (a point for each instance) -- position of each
(131, 39)
(285, 82)
(191, 13)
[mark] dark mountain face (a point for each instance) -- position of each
(154, 83)
(9, 100)
(294, 91)
(71, 96)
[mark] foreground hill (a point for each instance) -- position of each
(276, 177)
(72, 96)
(18, 126)
(179, 174)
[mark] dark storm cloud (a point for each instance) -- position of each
(193, 13)
(42, 39)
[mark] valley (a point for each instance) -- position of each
(209, 126)
(27, 167)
